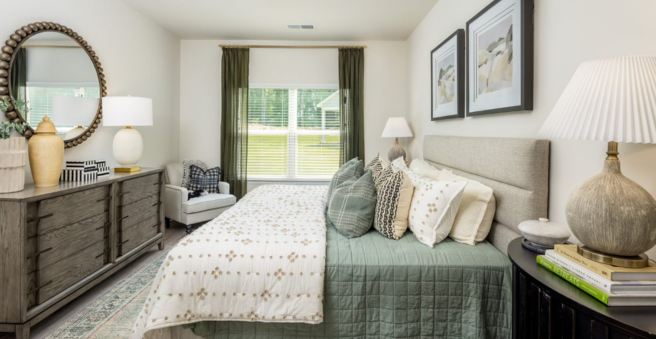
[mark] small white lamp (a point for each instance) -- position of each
(128, 143)
(396, 128)
(74, 111)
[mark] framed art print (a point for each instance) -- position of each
(448, 78)
(500, 58)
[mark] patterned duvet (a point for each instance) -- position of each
(381, 288)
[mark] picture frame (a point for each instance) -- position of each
(500, 58)
(448, 78)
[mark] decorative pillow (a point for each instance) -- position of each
(415, 175)
(376, 166)
(350, 169)
(185, 171)
(476, 211)
(425, 168)
(434, 208)
(200, 179)
(394, 190)
(352, 206)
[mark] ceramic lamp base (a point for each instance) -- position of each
(128, 147)
(396, 152)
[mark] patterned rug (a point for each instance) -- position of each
(114, 313)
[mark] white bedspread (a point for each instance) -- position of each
(262, 260)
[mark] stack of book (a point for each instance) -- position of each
(612, 285)
(85, 170)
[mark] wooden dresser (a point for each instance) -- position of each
(58, 242)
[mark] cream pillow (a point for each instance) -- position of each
(394, 196)
(476, 211)
(434, 208)
(425, 168)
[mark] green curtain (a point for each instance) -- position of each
(18, 76)
(351, 91)
(234, 118)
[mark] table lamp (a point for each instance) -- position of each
(396, 128)
(128, 143)
(74, 111)
(611, 100)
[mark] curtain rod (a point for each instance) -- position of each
(292, 46)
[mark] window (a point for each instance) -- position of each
(293, 133)
(40, 95)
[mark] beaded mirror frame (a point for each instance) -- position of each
(7, 57)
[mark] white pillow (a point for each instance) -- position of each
(425, 168)
(416, 177)
(476, 212)
(434, 208)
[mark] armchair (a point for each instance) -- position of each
(178, 207)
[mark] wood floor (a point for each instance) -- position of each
(48, 325)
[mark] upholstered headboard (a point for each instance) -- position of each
(516, 169)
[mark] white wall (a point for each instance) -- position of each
(200, 87)
(138, 57)
(566, 34)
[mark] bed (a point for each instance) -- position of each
(378, 288)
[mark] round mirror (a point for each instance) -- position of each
(52, 71)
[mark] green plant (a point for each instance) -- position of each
(8, 127)
(19, 105)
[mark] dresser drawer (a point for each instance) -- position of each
(136, 189)
(135, 213)
(134, 236)
(65, 210)
(54, 278)
(61, 243)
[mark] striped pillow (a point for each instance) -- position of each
(394, 192)
(376, 166)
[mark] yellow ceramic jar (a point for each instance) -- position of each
(46, 153)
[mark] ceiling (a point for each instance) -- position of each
(347, 20)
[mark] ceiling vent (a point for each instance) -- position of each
(300, 26)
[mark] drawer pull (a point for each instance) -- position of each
(157, 183)
(40, 287)
(38, 253)
(101, 254)
(41, 217)
(155, 225)
(156, 204)
(103, 199)
(124, 193)
(103, 226)
(125, 217)
(121, 244)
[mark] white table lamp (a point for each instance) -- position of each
(74, 111)
(611, 100)
(128, 143)
(396, 128)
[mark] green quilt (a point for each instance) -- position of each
(380, 288)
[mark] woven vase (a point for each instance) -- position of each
(13, 159)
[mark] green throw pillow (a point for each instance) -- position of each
(352, 206)
(352, 168)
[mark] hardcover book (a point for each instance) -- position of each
(594, 291)
(613, 273)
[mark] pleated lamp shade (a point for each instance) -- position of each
(607, 100)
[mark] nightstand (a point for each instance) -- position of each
(546, 306)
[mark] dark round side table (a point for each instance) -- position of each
(547, 306)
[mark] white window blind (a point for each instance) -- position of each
(40, 96)
(293, 133)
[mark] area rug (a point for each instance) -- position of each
(114, 313)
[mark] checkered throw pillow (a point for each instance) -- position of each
(204, 180)
(185, 171)
(352, 206)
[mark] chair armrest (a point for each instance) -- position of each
(174, 197)
(224, 187)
